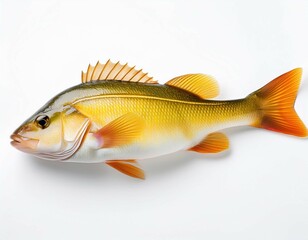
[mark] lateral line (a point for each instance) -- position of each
(145, 97)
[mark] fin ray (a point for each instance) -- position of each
(115, 71)
(212, 143)
(276, 105)
(120, 131)
(128, 167)
(199, 84)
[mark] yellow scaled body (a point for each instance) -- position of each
(166, 125)
(119, 115)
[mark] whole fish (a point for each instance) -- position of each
(118, 115)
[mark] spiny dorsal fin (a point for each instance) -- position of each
(115, 71)
(199, 84)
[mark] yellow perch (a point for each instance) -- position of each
(118, 115)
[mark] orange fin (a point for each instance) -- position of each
(201, 85)
(212, 143)
(120, 131)
(276, 103)
(115, 71)
(128, 167)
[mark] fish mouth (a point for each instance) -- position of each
(24, 144)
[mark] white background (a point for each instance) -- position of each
(257, 190)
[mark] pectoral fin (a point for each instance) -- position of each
(212, 143)
(128, 167)
(120, 131)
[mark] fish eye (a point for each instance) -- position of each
(42, 121)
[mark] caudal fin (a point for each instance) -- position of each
(276, 105)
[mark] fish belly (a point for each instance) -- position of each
(138, 150)
(158, 146)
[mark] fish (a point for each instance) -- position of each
(119, 115)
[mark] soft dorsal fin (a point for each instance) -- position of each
(115, 71)
(199, 84)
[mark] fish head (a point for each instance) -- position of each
(52, 134)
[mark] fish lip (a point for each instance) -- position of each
(23, 143)
(16, 138)
(19, 139)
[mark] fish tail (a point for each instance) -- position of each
(275, 104)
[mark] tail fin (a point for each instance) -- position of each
(276, 105)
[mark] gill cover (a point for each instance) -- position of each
(73, 128)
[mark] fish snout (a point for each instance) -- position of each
(23, 143)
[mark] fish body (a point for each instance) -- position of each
(119, 115)
(172, 120)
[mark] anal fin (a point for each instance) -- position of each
(213, 143)
(128, 167)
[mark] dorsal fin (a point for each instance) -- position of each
(115, 71)
(199, 84)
